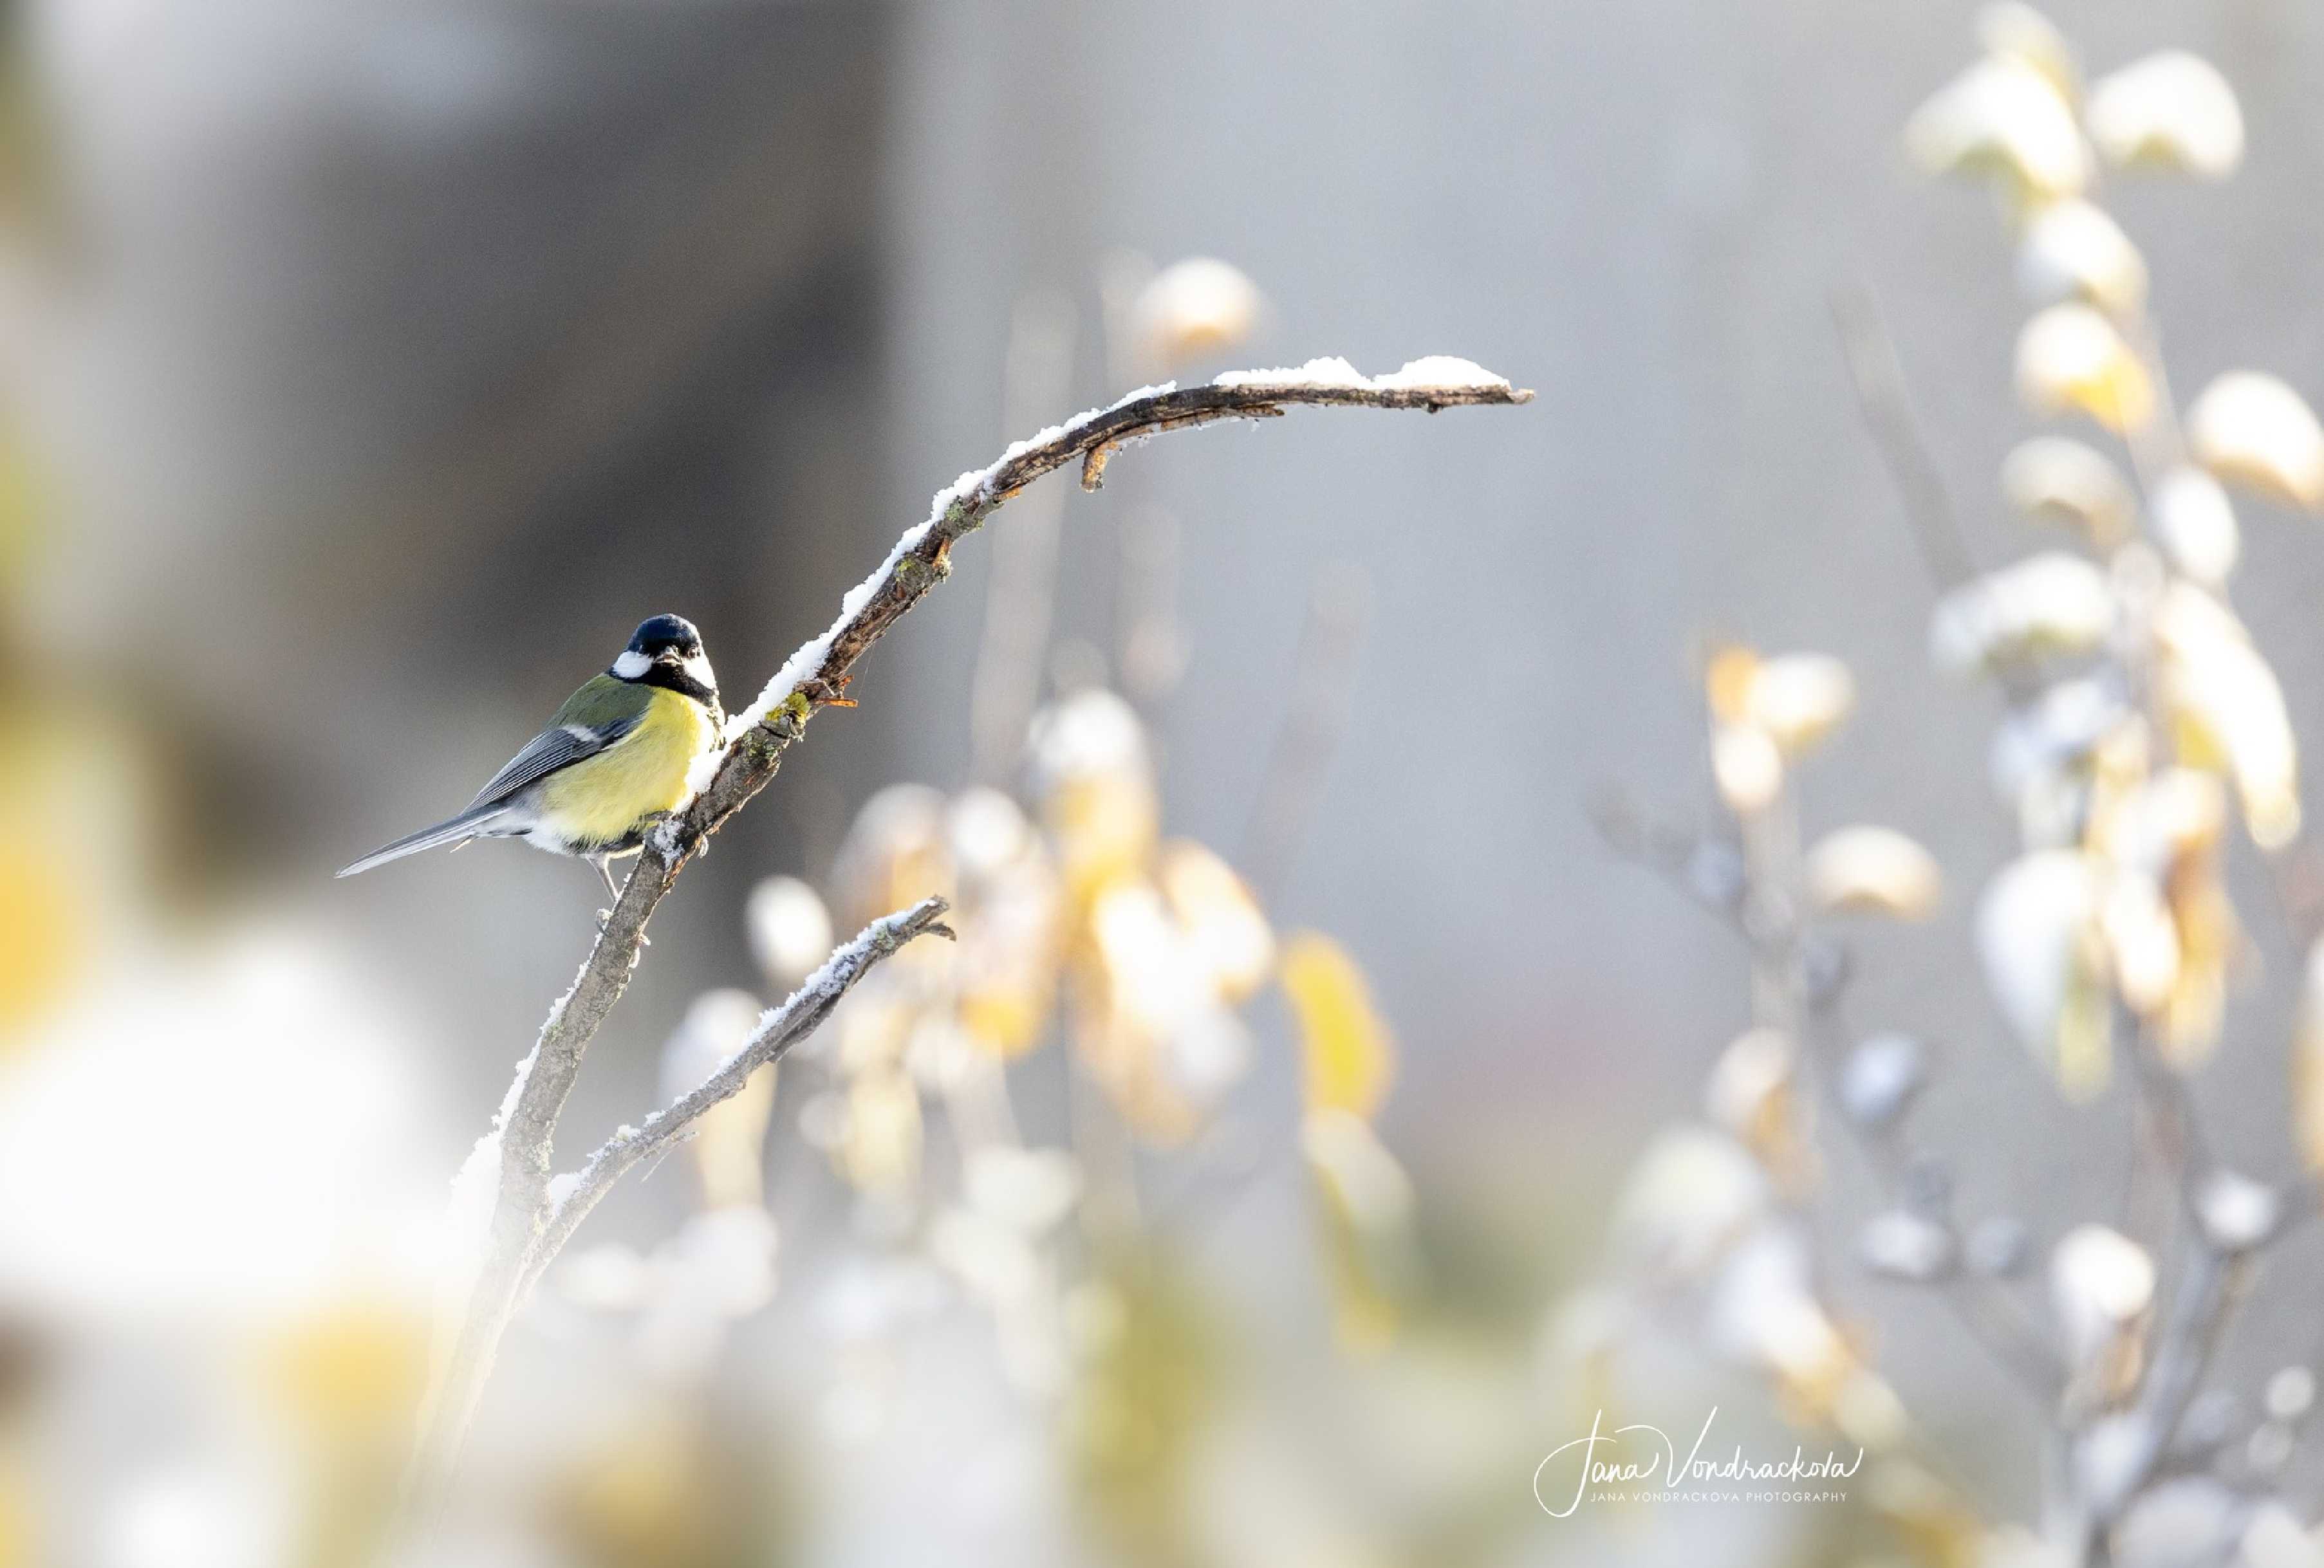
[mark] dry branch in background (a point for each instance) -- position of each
(527, 1222)
(2146, 739)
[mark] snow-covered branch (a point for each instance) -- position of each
(812, 677)
(778, 1030)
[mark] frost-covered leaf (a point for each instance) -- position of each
(2196, 524)
(2051, 603)
(2072, 250)
(2058, 480)
(1194, 309)
(2229, 709)
(2002, 116)
(2237, 1212)
(1692, 1196)
(2037, 934)
(2071, 358)
(1748, 767)
(2252, 430)
(1750, 1094)
(2172, 110)
(1873, 870)
(2016, 31)
(2142, 942)
(789, 929)
(2101, 1286)
(1799, 698)
(1220, 918)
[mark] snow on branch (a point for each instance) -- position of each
(778, 1030)
(815, 677)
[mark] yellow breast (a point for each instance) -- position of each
(606, 801)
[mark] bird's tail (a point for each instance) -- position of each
(466, 826)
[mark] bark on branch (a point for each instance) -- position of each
(524, 1217)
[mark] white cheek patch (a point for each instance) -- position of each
(697, 667)
(631, 664)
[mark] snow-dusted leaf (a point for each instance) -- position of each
(2255, 430)
(2196, 523)
(2071, 358)
(2172, 110)
(1873, 870)
(2002, 116)
(2051, 603)
(2072, 250)
(2057, 480)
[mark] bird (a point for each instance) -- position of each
(615, 759)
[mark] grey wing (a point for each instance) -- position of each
(548, 751)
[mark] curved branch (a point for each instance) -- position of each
(811, 678)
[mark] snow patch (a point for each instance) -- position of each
(1435, 370)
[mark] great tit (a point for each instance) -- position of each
(614, 761)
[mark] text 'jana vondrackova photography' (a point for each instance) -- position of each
(876, 783)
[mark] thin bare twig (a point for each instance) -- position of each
(1314, 717)
(1021, 594)
(812, 677)
(1716, 875)
(1879, 380)
(777, 1032)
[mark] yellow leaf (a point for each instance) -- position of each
(1348, 1053)
(1368, 1237)
(2073, 357)
(1224, 927)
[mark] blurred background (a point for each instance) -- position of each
(372, 369)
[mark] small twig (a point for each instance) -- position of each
(1709, 872)
(1316, 717)
(777, 1032)
(1879, 378)
(2183, 1341)
(1021, 594)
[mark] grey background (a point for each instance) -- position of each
(417, 354)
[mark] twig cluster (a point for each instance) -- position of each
(2143, 730)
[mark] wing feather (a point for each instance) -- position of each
(559, 746)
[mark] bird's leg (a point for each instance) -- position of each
(606, 869)
(605, 864)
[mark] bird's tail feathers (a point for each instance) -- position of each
(458, 830)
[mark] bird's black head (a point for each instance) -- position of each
(666, 634)
(667, 651)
